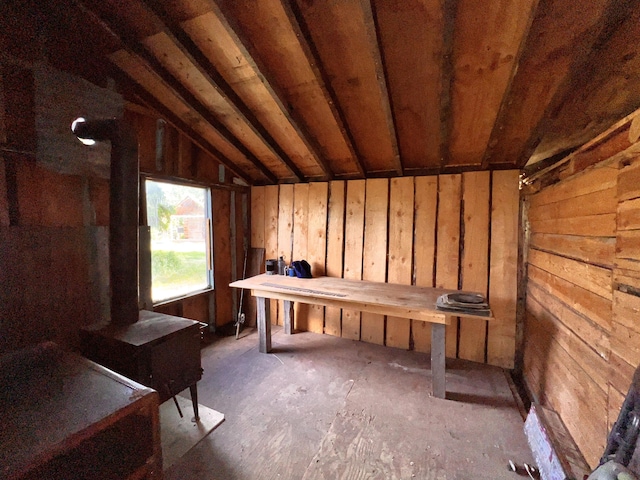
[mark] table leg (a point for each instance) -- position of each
(264, 324)
(288, 317)
(194, 401)
(438, 338)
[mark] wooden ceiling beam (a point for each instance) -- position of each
(298, 24)
(151, 102)
(446, 116)
(373, 33)
(209, 71)
(272, 87)
(110, 26)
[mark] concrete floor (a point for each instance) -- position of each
(322, 407)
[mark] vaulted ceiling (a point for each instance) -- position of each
(300, 90)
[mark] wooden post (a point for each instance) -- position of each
(438, 381)
(288, 317)
(264, 324)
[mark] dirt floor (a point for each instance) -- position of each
(321, 407)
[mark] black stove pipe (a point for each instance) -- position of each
(123, 212)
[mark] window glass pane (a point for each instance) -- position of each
(177, 216)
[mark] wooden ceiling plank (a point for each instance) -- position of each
(486, 45)
(152, 103)
(341, 34)
(446, 94)
(179, 114)
(411, 37)
(265, 96)
(560, 37)
(296, 19)
(373, 33)
(604, 89)
(195, 56)
(109, 25)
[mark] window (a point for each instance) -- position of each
(179, 217)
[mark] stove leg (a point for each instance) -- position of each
(194, 400)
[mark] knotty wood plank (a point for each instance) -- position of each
(591, 278)
(353, 250)
(415, 80)
(587, 182)
(615, 399)
(629, 214)
(629, 180)
(257, 217)
(625, 343)
(335, 249)
(628, 244)
(597, 250)
(424, 250)
(594, 307)
(300, 239)
(285, 232)
(588, 225)
(620, 374)
(484, 55)
(401, 210)
(577, 348)
(594, 203)
(626, 310)
(503, 268)
(374, 264)
(448, 245)
(271, 213)
(475, 259)
(317, 246)
(222, 255)
(564, 385)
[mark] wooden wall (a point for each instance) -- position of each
(451, 231)
(583, 281)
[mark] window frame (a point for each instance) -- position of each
(209, 254)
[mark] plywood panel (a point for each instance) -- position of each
(300, 241)
(374, 264)
(285, 233)
(335, 249)
(503, 269)
(400, 258)
(271, 211)
(222, 255)
(317, 246)
(426, 203)
(257, 217)
(353, 247)
(448, 245)
(475, 259)
(597, 250)
(591, 278)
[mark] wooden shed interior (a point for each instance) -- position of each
(485, 145)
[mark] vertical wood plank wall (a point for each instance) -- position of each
(583, 285)
(430, 231)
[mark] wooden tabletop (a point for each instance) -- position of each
(405, 301)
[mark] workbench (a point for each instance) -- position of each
(404, 301)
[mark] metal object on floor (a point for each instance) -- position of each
(524, 470)
(241, 317)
